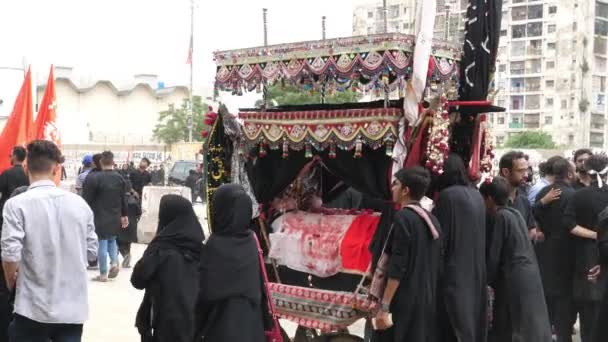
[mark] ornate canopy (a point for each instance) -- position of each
(369, 62)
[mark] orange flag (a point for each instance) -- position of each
(19, 127)
(45, 127)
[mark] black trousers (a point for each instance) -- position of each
(124, 247)
(563, 316)
(6, 307)
(588, 311)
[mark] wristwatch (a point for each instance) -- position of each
(384, 307)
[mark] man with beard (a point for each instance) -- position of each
(581, 219)
(555, 260)
(513, 166)
(519, 313)
(580, 157)
(460, 211)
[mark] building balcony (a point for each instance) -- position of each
(516, 125)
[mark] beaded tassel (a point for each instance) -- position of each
(308, 152)
(285, 149)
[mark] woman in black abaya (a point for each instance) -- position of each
(169, 272)
(231, 304)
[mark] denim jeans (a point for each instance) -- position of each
(106, 247)
(23, 329)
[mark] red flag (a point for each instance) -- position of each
(190, 51)
(19, 127)
(45, 127)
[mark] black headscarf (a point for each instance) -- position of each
(178, 226)
(230, 266)
(454, 173)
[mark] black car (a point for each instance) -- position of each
(181, 170)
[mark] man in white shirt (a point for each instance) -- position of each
(48, 235)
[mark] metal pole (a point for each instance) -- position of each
(385, 11)
(323, 18)
(447, 21)
(265, 16)
(264, 89)
(191, 111)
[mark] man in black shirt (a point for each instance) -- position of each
(513, 167)
(581, 219)
(556, 260)
(105, 192)
(10, 180)
(582, 178)
(140, 177)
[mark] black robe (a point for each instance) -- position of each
(583, 209)
(415, 261)
(555, 255)
(231, 305)
(461, 213)
(106, 193)
(520, 311)
(168, 271)
(134, 211)
(601, 328)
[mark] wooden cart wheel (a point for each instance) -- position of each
(305, 335)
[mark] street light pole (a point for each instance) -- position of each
(191, 111)
(385, 11)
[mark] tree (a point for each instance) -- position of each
(291, 95)
(172, 123)
(531, 140)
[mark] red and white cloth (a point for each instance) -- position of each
(323, 245)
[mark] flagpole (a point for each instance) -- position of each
(191, 112)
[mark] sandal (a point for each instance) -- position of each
(101, 279)
(114, 272)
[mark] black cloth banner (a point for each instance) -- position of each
(482, 34)
(217, 162)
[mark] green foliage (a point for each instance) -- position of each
(172, 123)
(531, 140)
(291, 95)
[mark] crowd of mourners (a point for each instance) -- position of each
(505, 260)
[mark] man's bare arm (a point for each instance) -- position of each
(10, 273)
(584, 233)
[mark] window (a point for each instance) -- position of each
(519, 13)
(551, 28)
(549, 83)
(564, 104)
(517, 85)
(517, 68)
(532, 84)
(596, 139)
(599, 45)
(574, 26)
(601, 9)
(552, 9)
(501, 120)
(393, 11)
(406, 26)
(518, 49)
(370, 14)
(517, 102)
(601, 27)
(533, 66)
(535, 12)
(550, 65)
(599, 83)
(533, 102)
(551, 46)
(548, 120)
(502, 68)
(534, 29)
(503, 33)
(600, 63)
(518, 31)
(549, 102)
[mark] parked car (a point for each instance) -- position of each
(180, 171)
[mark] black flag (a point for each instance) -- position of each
(482, 34)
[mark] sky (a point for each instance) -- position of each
(115, 39)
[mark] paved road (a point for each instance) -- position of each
(113, 306)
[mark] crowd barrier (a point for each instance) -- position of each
(148, 224)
